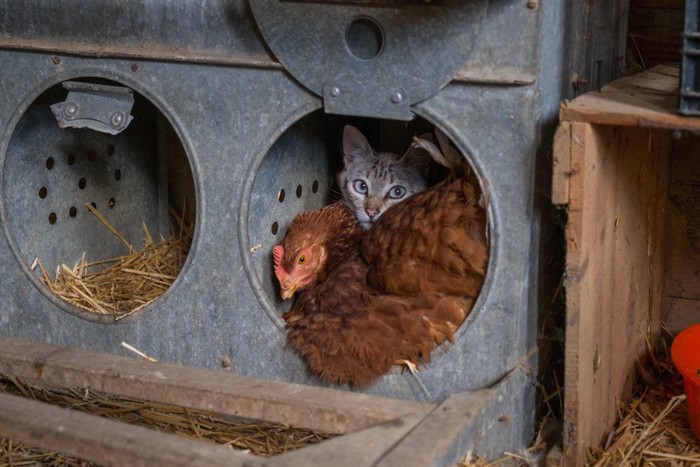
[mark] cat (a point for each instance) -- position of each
(371, 182)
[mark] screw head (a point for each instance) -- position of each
(335, 91)
(70, 110)
(134, 67)
(396, 97)
(117, 119)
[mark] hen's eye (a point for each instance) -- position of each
(397, 192)
(301, 260)
(360, 186)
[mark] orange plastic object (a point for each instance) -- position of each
(685, 352)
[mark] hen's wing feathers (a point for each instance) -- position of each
(432, 242)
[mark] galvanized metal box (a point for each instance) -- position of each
(221, 123)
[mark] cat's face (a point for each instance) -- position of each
(371, 183)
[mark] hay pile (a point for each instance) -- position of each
(653, 428)
(123, 285)
(263, 439)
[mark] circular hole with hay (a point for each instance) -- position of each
(115, 231)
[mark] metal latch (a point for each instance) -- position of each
(98, 107)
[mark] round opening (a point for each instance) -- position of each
(136, 167)
(364, 38)
(307, 158)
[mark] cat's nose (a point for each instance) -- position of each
(372, 213)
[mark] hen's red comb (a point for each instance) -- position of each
(277, 254)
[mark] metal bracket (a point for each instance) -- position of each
(364, 101)
(95, 106)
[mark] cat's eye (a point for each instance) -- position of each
(301, 260)
(360, 186)
(397, 192)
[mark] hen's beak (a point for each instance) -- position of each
(288, 289)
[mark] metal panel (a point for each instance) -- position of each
(249, 128)
(371, 60)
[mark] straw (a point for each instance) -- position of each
(653, 427)
(259, 438)
(123, 285)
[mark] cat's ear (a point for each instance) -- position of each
(355, 146)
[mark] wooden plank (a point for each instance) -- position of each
(561, 165)
(614, 267)
(474, 422)
(649, 99)
(354, 450)
(105, 441)
(322, 409)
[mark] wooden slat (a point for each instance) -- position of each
(474, 422)
(363, 448)
(614, 266)
(304, 406)
(561, 170)
(649, 99)
(104, 441)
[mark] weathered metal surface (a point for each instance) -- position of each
(371, 61)
(249, 129)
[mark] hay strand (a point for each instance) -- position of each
(102, 219)
(138, 352)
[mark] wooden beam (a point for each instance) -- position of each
(363, 448)
(321, 409)
(103, 441)
(649, 99)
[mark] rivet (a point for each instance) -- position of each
(134, 67)
(55, 60)
(335, 91)
(396, 97)
(117, 119)
(533, 4)
(226, 362)
(70, 110)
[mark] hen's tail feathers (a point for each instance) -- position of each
(443, 153)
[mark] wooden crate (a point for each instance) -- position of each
(613, 154)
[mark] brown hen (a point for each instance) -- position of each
(365, 304)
